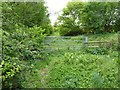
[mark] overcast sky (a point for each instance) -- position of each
(54, 8)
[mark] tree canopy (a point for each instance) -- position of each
(88, 17)
(26, 13)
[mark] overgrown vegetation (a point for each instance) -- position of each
(70, 68)
(26, 64)
(76, 70)
(23, 31)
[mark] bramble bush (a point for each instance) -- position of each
(21, 45)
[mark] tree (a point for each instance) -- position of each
(89, 17)
(69, 21)
(25, 13)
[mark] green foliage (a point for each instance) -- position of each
(77, 70)
(68, 23)
(101, 17)
(22, 44)
(73, 68)
(24, 26)
(97, 80)
(89, 17)
(23, 41)
(9, 69)
(23, 32)
(29, 14)
(96, 51)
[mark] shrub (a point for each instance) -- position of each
(21, 45)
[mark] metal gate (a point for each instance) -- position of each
(63, 42)
(52, 43)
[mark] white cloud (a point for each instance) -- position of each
(55, 6)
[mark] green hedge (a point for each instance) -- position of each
(21, 45)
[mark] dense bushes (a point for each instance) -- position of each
(29, 14)
(77, 70)
(23, 44)
(24, 26)
(89, 17)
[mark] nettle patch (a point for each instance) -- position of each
(82, 71)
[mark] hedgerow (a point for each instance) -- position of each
(24, 44)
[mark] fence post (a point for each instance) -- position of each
(86, 40)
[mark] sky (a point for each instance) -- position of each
(55, 7)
